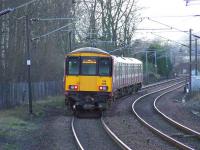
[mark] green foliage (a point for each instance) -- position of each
(164, 65)
(12, 126)
(156, 45)
(151, 67)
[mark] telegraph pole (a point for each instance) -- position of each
(190, 63)
(70, 41)
(166, 62)
(155, 61)
(147, 75)
(28, 64)
(196, 67)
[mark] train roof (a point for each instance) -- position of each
(97, 50)
(89, 49)
(127, 60)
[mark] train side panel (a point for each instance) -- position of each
(127, 75)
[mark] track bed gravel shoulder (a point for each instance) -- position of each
(48, 129)
(55, 133)
(174, 106)
(93, 136)
(125, 125)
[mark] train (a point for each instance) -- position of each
(93, 78)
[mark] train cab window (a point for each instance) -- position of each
(73, 65)
(104, 67)
(88, 66)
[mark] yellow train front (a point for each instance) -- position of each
(94, 78)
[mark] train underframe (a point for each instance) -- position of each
(87, 100)
(127, 90)
(97, 100)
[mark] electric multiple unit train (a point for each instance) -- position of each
(94, 78)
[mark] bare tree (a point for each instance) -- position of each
(109, 20)
(47, 53)
(107, 24)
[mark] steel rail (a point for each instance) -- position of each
(177, 124)
(160, 133)
(110, 133)
(114, 137)
(75, 135)
(108, 130)
(162, 82)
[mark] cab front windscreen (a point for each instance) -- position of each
(89, 66)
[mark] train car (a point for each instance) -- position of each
(94, 78)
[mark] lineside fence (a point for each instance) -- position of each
(13, 94)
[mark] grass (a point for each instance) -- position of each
(12, 126)
(17, 122)
(9, 146)
(195, 96)
(38, 108)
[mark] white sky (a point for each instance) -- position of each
(157, 9)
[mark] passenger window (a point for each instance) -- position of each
(104, 67)
(73, 66)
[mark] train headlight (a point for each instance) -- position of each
(103, 88)
(73, 87)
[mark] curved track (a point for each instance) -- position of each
(75, 135)
(92, 134)
(114, 137)
(119, 144)
(177, 124)
(145, 113)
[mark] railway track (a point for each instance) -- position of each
(163, 82)
(92, 134)
(75, 135)
(114, 136)
(177, 133)
(80, 139)
(179, 125)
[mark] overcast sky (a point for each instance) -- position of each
(166, 11)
